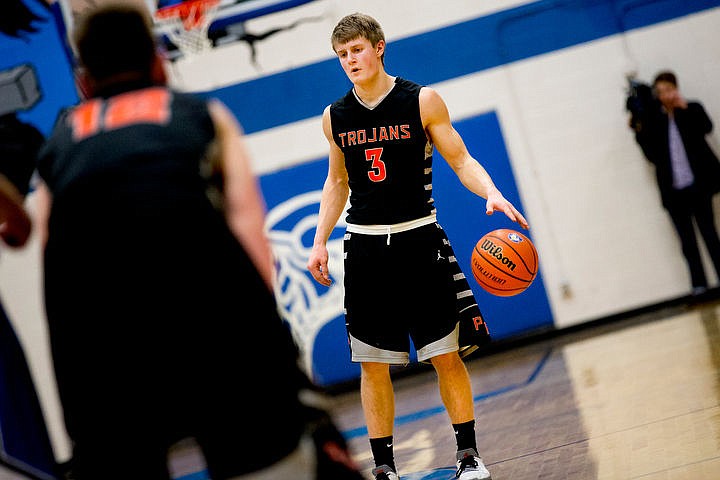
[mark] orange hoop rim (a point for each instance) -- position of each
(190, 12)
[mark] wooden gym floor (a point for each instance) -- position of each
(637, 398)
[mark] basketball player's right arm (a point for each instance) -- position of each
(332, 203)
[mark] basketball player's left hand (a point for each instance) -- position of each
(497, 203)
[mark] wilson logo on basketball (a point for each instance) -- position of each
(497, 252)
(504, 262)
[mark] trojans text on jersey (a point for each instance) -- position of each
(375, 134)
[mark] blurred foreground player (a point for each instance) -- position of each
(162, 321)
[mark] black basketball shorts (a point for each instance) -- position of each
(402, 286)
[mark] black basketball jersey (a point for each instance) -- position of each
(129, 197)
(388, 156)
(120, 148)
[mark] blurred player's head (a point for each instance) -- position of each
(116, 45)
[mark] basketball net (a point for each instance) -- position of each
(187, 23)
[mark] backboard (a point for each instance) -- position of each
(225, 27)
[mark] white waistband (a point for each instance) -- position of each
(389, 229)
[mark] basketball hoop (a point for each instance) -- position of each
(187, 23)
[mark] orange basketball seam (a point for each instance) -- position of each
(493, 287)
(499, 290)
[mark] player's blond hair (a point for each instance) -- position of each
(357, 25)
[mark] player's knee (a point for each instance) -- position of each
(375, 369)
(446, 361)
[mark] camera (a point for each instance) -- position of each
(640, 102)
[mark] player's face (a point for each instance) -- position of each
(359, 59)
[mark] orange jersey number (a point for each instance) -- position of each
(151, 105)
(377, 172)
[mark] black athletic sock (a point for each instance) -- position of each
(382, 450)
(465, 435)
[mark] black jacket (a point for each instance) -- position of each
(693, 124)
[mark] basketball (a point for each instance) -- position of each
(504, 262)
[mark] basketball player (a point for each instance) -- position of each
(401, 277)
(159, 305)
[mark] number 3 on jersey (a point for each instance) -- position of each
(377, 172)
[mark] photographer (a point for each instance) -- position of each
(671, 133)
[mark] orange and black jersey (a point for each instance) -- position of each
(147, 289)
(388, 156)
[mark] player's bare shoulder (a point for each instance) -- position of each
(432, 106)
(327, 124)
(429, 94)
